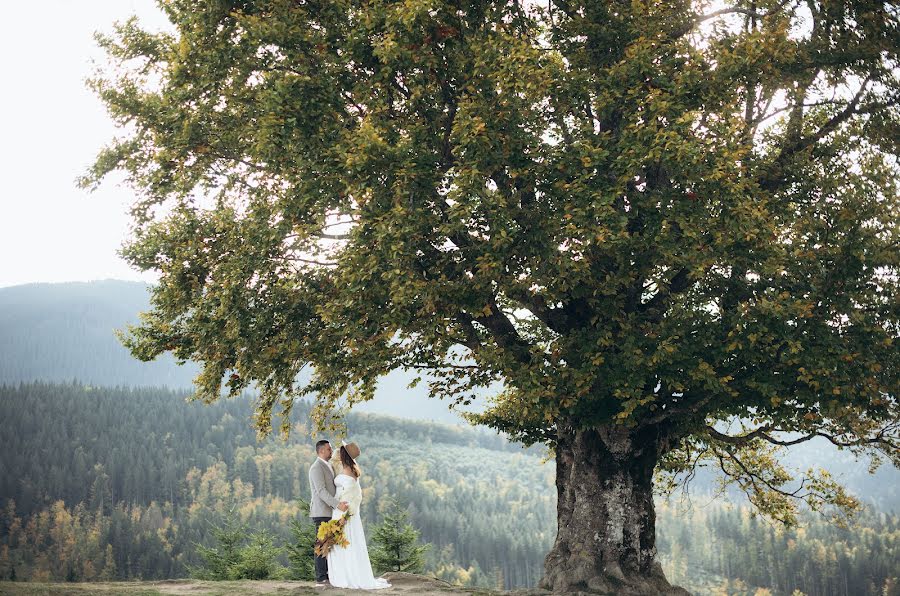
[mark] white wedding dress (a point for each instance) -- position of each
(349, 567)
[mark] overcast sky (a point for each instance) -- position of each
(51, 127)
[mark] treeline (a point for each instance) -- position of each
(117, 453)
(724, 549)
(716, 550)
(110, 483)
(484, 533)
(135, 445)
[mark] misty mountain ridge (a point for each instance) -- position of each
(63, 332)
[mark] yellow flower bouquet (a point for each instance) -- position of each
(331, 533)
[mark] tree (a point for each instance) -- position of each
(109, 565)
(258, 559)
(219, 561)
(396, 543)
(100, 494)
(238, 555)
(300, 552)
(644, 219)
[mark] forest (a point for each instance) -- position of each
(123, 483)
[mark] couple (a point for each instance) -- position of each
(330, 496)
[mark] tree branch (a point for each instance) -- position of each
(754, 478)
(762, 433)
(505, 333)
(773, 179)
(473, 342)
(691, 24)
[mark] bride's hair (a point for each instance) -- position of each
(349, 462)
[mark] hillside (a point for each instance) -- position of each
(123, 483)
(119, 473)
(64, 331)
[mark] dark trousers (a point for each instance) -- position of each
(321, 562)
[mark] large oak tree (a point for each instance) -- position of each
(642, 217)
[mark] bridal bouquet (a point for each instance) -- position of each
(331, 533)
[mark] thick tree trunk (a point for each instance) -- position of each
(606, 536)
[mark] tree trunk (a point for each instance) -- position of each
(606, 535)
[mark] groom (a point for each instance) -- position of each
(322, 501)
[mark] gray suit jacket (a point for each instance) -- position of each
(321, 490)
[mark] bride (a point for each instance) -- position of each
(349, 567)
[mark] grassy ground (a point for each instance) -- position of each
(405, 584)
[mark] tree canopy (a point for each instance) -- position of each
(640, 213)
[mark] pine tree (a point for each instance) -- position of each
(257, 560)
(499, 579)
(396, 544)
(220, 560)
(300, 553)
(109, 566)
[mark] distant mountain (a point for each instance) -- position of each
(64, 331)
(60, 332)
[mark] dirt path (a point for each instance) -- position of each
(405, 584)
(401, 583)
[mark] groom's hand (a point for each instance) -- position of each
(343, 506)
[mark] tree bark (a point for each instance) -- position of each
(606, 535)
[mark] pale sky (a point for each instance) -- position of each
(51, 127)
